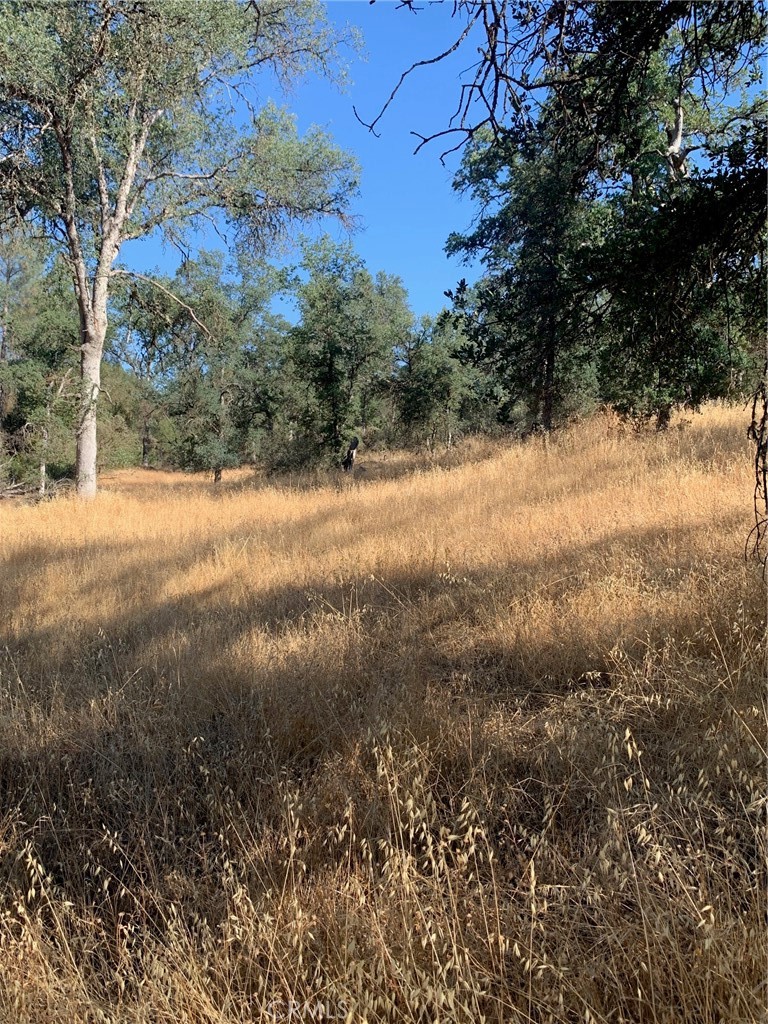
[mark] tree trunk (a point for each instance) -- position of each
(4, 347)
(90, 377)
(676, 153)
(548, 391)
(44, 452)
(146, 443)
(217, 474)
(93, 321)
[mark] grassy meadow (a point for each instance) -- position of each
(472, 737)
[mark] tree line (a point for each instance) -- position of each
(202, 372)
(616, 154)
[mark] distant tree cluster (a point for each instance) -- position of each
(622, 206)
(616, 154)
(202, 373)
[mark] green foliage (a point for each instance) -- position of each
(527, 317)
(684, 295)
(209, 361)
(109, 75)
(342, 347)
(38, 371)
(622, 229)
(120, 418)
(117, 122)
(432, 393)
(621, 233)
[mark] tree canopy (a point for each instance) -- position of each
(616, 154)
(118, 120)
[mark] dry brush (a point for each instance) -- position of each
(482, 740)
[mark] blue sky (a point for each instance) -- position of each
(406, 204)
(406, 207)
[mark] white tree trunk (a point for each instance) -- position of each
(4, 346)
(90, 376)
(93, 301)
(676, 152)
(44, 453)
(93, 318)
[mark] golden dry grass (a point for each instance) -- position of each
(480, 737)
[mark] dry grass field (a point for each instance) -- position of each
(478, 738)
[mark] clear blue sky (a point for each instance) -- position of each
(406, 207)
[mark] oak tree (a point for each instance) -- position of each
(122, 119)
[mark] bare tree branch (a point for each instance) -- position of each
(119, 271)
(418, 64)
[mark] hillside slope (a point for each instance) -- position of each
(482, 740)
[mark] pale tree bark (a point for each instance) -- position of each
(91, 352)
(676, 152)
(44, 457)
(93, 294)
(4, 334)
(90, 378)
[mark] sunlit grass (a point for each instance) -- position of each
(478, 735)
